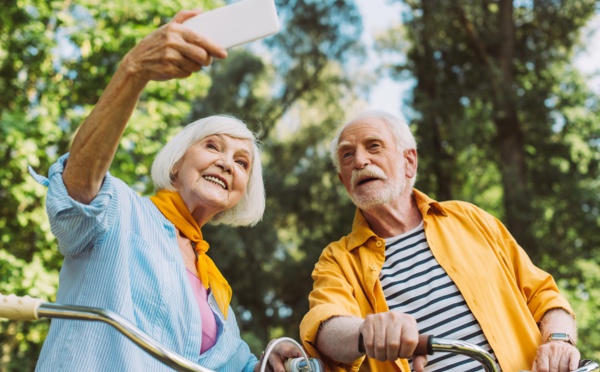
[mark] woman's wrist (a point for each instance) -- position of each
(131, 73)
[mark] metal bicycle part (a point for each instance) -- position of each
(27, 308)
(292, 367)
(304, 365)
(587, 365)
(429, 344)
(165, 355)
(460, 347)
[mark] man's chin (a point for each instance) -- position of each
(366, 204)
(366, 201)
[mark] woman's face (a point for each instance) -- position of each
(213, 174)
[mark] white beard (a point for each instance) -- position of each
(370, 196)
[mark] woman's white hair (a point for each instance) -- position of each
(399, 127)
(250, 209)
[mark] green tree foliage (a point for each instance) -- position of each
(504, 120)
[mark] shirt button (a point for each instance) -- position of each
(378, 243)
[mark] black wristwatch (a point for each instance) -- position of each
(560, 337)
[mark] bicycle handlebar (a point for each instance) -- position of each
(428, 345)
(27, 308)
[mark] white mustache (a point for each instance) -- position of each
(370, 171)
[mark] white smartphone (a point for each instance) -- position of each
(237, 23)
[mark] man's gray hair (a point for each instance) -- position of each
(399, 127)
(250, 209)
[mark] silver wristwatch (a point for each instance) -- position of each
(560, 337)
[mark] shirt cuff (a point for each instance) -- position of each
(58, 200)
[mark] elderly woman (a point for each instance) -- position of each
(145, 258)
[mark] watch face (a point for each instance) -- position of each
(557, 336)
(560, 337)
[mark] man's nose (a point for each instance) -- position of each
(361, 159)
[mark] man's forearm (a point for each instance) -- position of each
(338, 339)
(558, 321)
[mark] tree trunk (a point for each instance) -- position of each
(517, 192)
(432, 117)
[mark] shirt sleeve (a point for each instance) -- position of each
(536, 285)
(78, 226)
(252, 360)
(331, 296)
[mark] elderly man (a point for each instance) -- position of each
(414, 265)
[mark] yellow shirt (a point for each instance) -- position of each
(507, 294)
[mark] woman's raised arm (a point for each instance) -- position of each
(171, 52)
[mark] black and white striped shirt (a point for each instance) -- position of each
(414, 283)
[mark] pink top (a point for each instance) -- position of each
(209, 324)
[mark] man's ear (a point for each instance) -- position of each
(340, 177)
(412, 162)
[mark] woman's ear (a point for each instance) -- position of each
(174, 171)
(173, 174)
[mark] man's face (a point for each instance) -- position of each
(372, 168)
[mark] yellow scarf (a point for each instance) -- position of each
(174, 209)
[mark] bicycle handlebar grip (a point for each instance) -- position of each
(424, 346)
(300, 364)
(19, 308)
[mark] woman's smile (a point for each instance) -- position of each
(216, 180)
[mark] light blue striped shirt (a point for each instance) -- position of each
(121, 253)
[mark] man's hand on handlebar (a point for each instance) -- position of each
(556, 356)
(392, 335)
